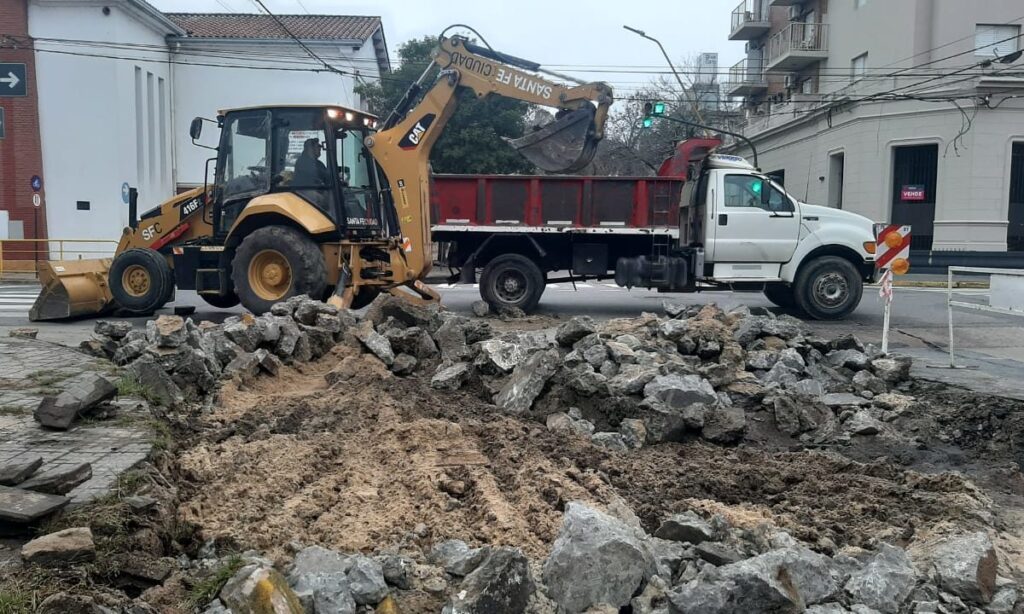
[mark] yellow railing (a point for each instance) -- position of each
(20, 257)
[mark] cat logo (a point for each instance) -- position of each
(415, 134)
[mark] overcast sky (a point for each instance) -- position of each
(572, 35)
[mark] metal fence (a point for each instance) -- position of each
(20, 258)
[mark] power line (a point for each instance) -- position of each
(296, 38)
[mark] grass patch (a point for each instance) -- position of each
(13, 410)
(46, 378)
(204, 591)
(16, 597)
(161, 435)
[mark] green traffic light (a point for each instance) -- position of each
(658, 109)
(648, 122)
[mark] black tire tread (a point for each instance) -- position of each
(309, 274)
(807, 272)
(781, 295)
(161, 276)
(534, 276)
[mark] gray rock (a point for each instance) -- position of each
(724, 424)
(366, 580)
(685, 527)
(327, 321)
(792, 359)
(631, 379)
(893, 370)
(115, 329)
(321, 341)
(375, 342)
(567, 425)
(497, 357)
(404, 364)
(864, 380)
(267, 361)
(847, 342)
(24, 506)
(862, 423)
(319, 578)
(245, 366)
(413, 341)
(167, 331)
(965, 565)
(717, 553)
(243, 332)
(1003, 601)
(451, 377)
(129, 352)
(79, 395)
(140, 503)
(665, 424)
(794, 416)
(456, 557)
(761, 360)
(885, 582)
(307, 310)
(634, 433)
(575, 329)
(781, 374)
(674, 330)
(783, 327)
(851, 359)
(841, 399)
(678, 391)
(65, 603)
(528, 381)
(256, 586)
(13, 472)
(59, 481)
(291, 341)
(159, 387)
(451, 339)
(501, 583)
(620, 353)
(807, 388)
(587, 382)
(398, 570)
(596, 355)
(67, 546)
(611, 441)
(597, 559)
(480, 309)
(827, 608)
(674, 310)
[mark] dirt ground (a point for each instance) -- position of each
(359, 463)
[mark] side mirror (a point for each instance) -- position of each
(195, 128)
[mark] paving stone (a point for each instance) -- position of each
(59, 480)
(23, 506)
(13, 473)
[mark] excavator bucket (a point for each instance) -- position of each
(72, 288)
(565, 145)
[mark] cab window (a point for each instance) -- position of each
(749, 191)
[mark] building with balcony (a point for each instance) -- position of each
(851, 103)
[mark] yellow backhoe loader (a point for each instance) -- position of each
(315, 200)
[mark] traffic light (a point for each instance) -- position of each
(652, 110)
(658, 109)
(648, 122)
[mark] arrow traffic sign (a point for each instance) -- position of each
(12, 80)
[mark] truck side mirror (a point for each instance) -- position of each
(195, 128)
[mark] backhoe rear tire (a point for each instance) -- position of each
(274, 264)
(512, 280)
(140, 280)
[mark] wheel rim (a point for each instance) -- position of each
(831, 289)
(510, 286)
(270, 275)
(136, 281)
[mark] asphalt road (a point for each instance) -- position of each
(993, 343)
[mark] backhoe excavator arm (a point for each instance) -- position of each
(403, 147)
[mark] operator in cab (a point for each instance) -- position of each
(309, 170)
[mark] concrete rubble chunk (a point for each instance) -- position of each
(884, 582)
(67, 603)
(674, 330)
(375, 342)
(575, 329)
(862, 423)
(892, 369)
(677, 391)
(321, 340)
(792, 359)
(685, 527)
(451, 339)
(1003, 601)
(612, 441)
(717, 553)
(501, 583)
(79, 395)
(634, 433)
(566, 424)
(60, 480)
(167, 331)
(268, 362)
(159, 387)
(398, 570)
(450, 377)
(851, 359)
(724, 424)
(794, 415)
(23, 332)
(242, 332)
(865, 380)
(480, 309)
(73, 545)
(631, 379)
(307, 311)
(404, 364)
(15, 472)
(259, 589)
(761, 360)
(115, 329)
(839, 399)
(384, 306)
(456, 557)
(497, 357)
(964, 565)
(807, 388)
(366, 580)
(245, 366)
(23, 506)
(320, 581)
(596, 559)
(847, 342)
(527, 381)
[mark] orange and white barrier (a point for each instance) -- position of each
(893, 249)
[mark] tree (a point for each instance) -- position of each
(472, 142)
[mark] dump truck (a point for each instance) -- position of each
(277, 221)
(705, 221)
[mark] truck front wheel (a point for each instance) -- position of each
(512, 280)
(828, 288)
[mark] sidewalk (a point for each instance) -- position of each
(32, 369)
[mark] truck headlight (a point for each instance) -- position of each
(869, 247)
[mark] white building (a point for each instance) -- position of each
(119, 82)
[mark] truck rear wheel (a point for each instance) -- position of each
(141, 280)
(274, 264)
(512, 280)
(781, 295)
(828, 288)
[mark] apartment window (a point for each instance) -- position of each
(991, 39)
(858, 66)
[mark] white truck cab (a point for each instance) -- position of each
(755, 234)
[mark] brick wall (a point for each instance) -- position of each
(20, 150)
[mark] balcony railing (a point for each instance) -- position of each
(798, 45)
(746, 78)
(749, 21)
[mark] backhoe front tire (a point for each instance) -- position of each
(828, 288)
(140, 280)
(274, 264)
(512, 280)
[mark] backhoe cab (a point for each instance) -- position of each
(315, 200)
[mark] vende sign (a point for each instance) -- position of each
(912, 192)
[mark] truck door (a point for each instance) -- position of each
(754, 222)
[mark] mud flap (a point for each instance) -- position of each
(72, 288)
(565, 145)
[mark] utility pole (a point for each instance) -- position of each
(693, 103)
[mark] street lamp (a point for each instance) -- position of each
(696, 109)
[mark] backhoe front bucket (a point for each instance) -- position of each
(565, 145)
(72, 288)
